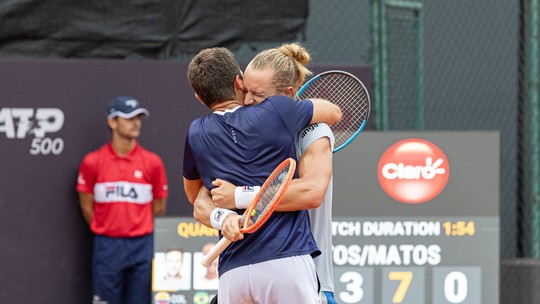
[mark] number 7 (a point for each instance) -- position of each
(405, 277)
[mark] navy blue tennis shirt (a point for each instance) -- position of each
(243, 146)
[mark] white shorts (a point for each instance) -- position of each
(286, 280)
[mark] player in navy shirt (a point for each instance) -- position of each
(244, 145)
(313, 189)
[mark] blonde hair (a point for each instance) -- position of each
(288, 63)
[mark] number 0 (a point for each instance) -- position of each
(46, 146)
(456, 287)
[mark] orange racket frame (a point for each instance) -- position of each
(247, 227)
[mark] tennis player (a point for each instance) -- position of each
(281, 71)
(244, 145)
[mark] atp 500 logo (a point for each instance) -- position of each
(18, 123)
(413, 171)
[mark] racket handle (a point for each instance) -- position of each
(215, 251)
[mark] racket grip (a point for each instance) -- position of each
(215, 252)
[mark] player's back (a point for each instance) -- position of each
(244, 145)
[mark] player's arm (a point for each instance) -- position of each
(203, 206)
(87, 206)
(314, 172)
(325, 111)
(159, 206)
(204, 210)
(305, 192)
(191, 188)
(223, 195)
(199, 197)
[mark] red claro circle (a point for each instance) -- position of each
(413, 171)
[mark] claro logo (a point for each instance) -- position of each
(413, 171)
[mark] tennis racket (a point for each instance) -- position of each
(349, 93)
(262, 206)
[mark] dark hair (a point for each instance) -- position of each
(212, 73)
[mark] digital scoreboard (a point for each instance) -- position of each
(416, 221)
(415, 260)
(416, 218)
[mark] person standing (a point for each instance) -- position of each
(252, 141)
(281, 71)
(314, 145)
(122, 186)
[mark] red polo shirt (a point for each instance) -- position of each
(123, 189)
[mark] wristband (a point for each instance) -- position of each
(217, 217)
(243, 196)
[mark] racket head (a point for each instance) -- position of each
(350, 94)
(269, 196)
(262, 206)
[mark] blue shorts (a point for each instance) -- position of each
(327, 297)
(126, 262)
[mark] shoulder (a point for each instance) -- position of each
(317, 130)
(287, 105)
(279, 101)
(286, 100)
(93, 156)
(198, 124)
(149, 155)
(312, 133)
(198, 121)
(280, 98)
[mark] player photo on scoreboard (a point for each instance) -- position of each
(172, 270)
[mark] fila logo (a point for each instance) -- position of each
(248, 189)
(20, 122)
(413, 171)
(120, 191)
(218, 214)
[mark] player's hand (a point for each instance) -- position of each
(231, 227)
(223, 194)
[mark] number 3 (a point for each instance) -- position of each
(354, 282)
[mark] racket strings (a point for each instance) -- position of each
(350, 95)
(269, 195)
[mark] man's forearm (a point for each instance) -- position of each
(203, 206)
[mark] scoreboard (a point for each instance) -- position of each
(416, 218)
(415, 221)
(415, 260)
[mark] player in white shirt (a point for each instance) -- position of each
(321, 218)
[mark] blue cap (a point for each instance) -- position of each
(125, 107)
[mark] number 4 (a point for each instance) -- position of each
(406, 278)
